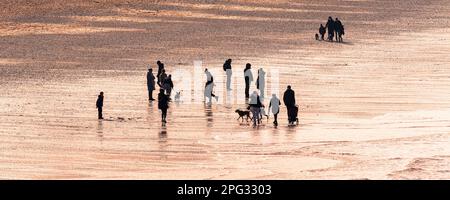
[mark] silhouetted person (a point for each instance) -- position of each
(339, 29)
(163, 104)
(248, 76)
(261, 82)
(275, 104)
(227, 69)
(289, 101)
(209, 86)
(255, 107)
(168, 85)
(99, 105)
(322, 31)
(331, 27)
(162, 76)
(150, 84)
(160, 70)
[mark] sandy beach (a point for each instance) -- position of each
(374, 107)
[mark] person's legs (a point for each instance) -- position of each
(163, 115)
(289, 113)
(229, 79)
(247, 88)
(275, 119)
(254, 114)
(100, 113)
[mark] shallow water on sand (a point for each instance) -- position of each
(369, 108)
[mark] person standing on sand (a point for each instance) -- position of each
(289, 101)
(168, 85)
(227, 69)
(150, 84)
(99, 105)
(322, 31)
(261, 82)
(163, 104)
(160, 70)
(162, 76)
(255, 107)
(330, 26)
(275, 104)
(339, 29)
(209, 86)
(248, 76)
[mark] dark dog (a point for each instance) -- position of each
(317, 36)
(242, 114)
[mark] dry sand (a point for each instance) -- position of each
(374, 107)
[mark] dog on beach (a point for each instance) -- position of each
(177, 96)
(242, 114)
(317, 36)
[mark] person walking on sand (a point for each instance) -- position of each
(99, 105)
(248, 76)
(227, 69)
(160, 70)
(330, 25)
(275, 105)
(289, 101)
(168, 85)
(339, 29)
(163, 104)
(209, 86)
(150, 84)
(255, 107)
(261, 82)
(322, 31)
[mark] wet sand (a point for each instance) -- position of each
(374, 107)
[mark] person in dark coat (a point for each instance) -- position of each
(150, 84)
(160, 70)
(99, 105)
(289, 101)
(331, 28)
(339, 29)
(322, 31)
(168, 85)
(248, 76)
(163, 104)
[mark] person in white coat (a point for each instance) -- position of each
(275, 105)
(261, 82)
(248, 76)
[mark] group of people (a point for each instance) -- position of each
(256, 106)
(334, 28)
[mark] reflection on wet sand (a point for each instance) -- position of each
(375, 109)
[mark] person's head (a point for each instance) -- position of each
(255, 93)
(206, 69)
(229, 61)
(248, 66)
(337, 19)
(158, 62)
(150, 69)
(161, 91)
(288, 87)
(274, 95)
(330, 18)
(170, 76)
(163, 71)
(321, 24)
(101, 93)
